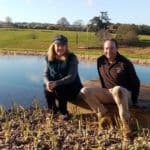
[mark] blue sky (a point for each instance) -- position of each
(122, 11)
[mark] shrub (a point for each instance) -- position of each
(102, 35)
(127, 35)
(33, 35)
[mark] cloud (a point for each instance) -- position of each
(89, 2)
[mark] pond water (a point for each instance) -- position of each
(21, 78)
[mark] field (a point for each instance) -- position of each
(39, 40)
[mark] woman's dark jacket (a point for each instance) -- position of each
(64, 73)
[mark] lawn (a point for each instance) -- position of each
(39, 40)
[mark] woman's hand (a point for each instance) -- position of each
(50, 86)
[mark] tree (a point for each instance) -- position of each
(8, 20)
(105, 19)
(102, 35)
(99, 22)
(63, 22)
(78, 23)
(95, 24)
(144, 29)
(112, 28)
(127, 34)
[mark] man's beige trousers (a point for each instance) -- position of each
(97, 97)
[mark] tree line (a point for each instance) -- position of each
(62, 24)
(95, 24)
(126, 34)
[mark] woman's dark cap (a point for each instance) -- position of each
(60, 39)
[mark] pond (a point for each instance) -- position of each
(21, 78)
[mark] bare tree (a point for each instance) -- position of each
(63, 21)
(79, 26)
(78, 23)
(8, 20)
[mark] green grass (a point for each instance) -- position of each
(98, 53)
(39, 40)
(144, 37)
(23, 39)
(144, 40)
(141, 56)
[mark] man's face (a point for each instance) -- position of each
(110, 50)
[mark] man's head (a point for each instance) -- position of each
(110, 49)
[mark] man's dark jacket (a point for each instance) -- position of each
(120, 73)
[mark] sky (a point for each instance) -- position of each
(50, 11)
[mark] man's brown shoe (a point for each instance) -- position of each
(126, 135)
(106, 121)
(126, 131)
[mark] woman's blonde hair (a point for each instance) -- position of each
(51, 52)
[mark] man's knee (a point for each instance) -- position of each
(119, 93)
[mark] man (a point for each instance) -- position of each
(119, 84)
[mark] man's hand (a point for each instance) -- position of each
(50, 86)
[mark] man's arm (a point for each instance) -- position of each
(134, 82)
(100, 77)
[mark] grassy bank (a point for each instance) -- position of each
(39, 40)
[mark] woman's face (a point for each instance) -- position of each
(60, 49)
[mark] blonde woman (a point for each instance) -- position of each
(61, 76)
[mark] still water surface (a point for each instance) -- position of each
(21, 78)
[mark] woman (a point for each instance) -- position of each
(61, 76)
